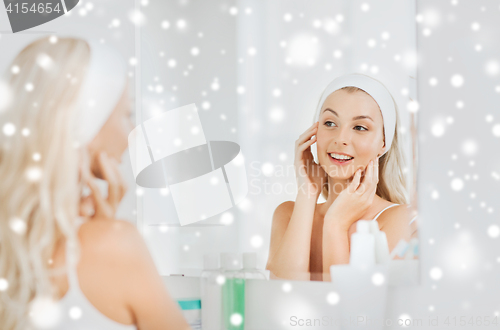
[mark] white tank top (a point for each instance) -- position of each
(77, 313)
(388, 208)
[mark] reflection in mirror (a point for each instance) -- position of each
(358, 167)
(256, 72)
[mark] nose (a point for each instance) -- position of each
(343, 137)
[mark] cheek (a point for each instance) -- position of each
(322, 140)
(365, 147)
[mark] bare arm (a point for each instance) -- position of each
(291, 239)
(335, 248)
(290, 248)
(151, 305)
(395, 224)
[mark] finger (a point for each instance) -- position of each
(304, 154)
(88, 203)
(85, 173)
(306, 135)
(374, 176)
(100, 205)
(373, 183)
(87, 207)
(121, 181)
(355, 181)
(118, 178)
(307, 144)
(302, 148)
(367, 180)
(114, 185)
(108, 173)
(371, 169)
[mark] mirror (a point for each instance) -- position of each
(255, 71)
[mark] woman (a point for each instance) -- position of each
(68, 124)
(359, 172)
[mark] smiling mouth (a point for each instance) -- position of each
(340, 159)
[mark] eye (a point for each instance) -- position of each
(327, 123)
(363, 128)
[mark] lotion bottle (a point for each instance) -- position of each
(362, 246)
(381, 245)
(211, 293)
(250, 267)
(233, 293)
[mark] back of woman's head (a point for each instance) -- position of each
(38, 168)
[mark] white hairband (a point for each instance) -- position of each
(101, 90)
(376, 90)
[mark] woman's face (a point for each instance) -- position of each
(113, 136)
(349, 124)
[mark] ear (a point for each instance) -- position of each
(382, 150)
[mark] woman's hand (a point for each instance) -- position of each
(310, 176)
(95, 205)
(355, 200)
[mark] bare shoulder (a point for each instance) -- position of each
(400, 214)
(282, 215)
(395, 222)
(109, 236)
(119, 277)
(106, 226)
(114, 252)
(284, 209)
(115, 244)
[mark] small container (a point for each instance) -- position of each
(191, 309)
(233, 293)
(186, 291)
(415, 249)
(400, 249)
(381, 245)
(211, 293)
(250, 267)
(412, 251)
(362, 246)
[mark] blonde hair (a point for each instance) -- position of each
(392, 185)
(39, 179)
